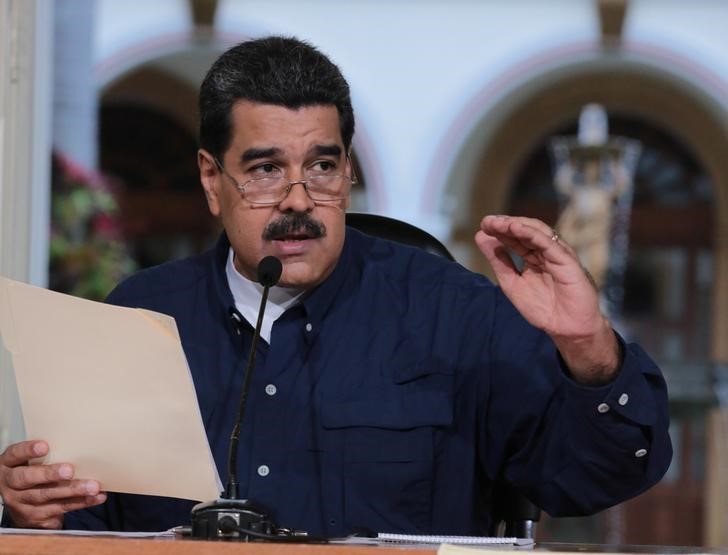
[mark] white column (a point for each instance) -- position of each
(74, 98)
(26, 36)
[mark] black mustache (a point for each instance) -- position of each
(294, 223)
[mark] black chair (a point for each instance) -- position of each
(397, 230)
(513, 515)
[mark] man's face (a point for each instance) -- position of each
(271, 140)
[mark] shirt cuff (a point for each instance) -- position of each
(631, 395)
(5, 521)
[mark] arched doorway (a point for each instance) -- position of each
(668, 288)
(635, 90)
(148, 143)
(684, 181)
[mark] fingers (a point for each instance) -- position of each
(527, 237)
(20, 453)
(52, 493)
(24, 477)
(502, 224)
(494, 251)
(50, 511)
(50, 515)
(517, 230)
(37, 495)
(40, 484)
(55, 523)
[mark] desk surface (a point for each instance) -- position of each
(16, 544)
(12, 544)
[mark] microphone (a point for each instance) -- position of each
(269, 272)
(230, 517)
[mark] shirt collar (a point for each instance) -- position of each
(316, 302)
(247, 295)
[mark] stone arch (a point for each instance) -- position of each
(187, 45)
(513, 115)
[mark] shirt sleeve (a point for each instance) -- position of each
(98, 518)
(573, 449)
(5, 521)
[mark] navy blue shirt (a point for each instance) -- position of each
(392, 396)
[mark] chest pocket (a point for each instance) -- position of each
(386, 429)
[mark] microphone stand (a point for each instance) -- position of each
(230, 518)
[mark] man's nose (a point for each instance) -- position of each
(297, 199)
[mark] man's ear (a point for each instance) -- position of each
(209, 177)
(348, 170)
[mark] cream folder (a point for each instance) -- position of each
(110, 390)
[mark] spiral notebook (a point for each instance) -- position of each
(415, 539)
(471, 540)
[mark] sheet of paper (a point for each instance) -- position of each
(110, 390)
(90, 533)
(456, 549)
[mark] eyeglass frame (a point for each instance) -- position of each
(305, 182)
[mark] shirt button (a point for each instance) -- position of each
(270, 389)
(640, 453)
(623, 398)
(263, 470)
(603, 407)
(309, 327)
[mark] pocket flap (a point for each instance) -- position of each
(420, 369)
(392, 410)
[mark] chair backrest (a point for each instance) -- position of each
(512, 513)
(397, 230)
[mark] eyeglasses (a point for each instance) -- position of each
(268, 191)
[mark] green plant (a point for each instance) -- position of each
(88, 255)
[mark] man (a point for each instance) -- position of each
(392, 387)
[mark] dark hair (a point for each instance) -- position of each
(273, 70)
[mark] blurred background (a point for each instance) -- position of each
(605, 118)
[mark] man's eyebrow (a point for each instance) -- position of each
(258, 153)
(326, 150)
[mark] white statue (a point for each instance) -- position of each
(591, 177)
(586, 221)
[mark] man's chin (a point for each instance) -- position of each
(301, 275)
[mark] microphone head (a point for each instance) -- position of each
(269, 271)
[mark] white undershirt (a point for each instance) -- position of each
(247, 295)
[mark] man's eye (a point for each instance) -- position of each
(265, 170)
(323, 166)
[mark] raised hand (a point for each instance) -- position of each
(553, 292)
